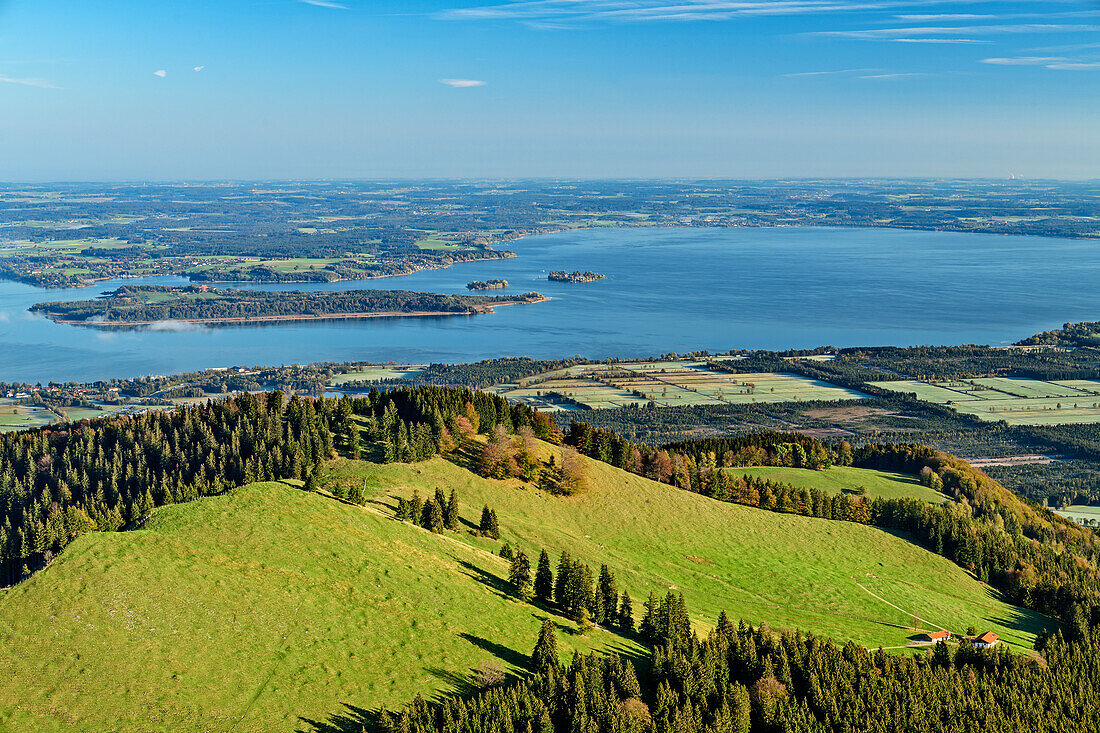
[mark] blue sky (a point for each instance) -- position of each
(204, 89)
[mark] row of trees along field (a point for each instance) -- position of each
(106, 474)
(1039, 560)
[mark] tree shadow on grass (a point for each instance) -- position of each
(460, 683)
(505, 654)
(499, 585)
(383, 504)
(465, 456)
(353, 719)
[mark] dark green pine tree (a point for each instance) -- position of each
(489, 525)
(608, 592)
(435, 517)
(544, 579)
(561, 580)
(352, 429)
(520, 575)
(648, 627)
(450, 515)
(416, 507)
(426, 514)
(355, 494)
(624, 619)
(545, 657)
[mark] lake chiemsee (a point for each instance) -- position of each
(667, 290)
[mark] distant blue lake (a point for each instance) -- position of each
(667, 290)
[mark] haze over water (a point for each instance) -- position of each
(667, 290)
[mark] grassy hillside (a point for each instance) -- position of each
(839, 579)
(259, 610)
(879, 484)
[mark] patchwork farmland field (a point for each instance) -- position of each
(1017, 401)
(667, 384)
(1081, 513)
(17, 417)
(377, 373)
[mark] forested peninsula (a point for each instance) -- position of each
(147, 305)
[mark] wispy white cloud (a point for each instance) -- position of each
(836, 72)
(943, 16)
(888, 34)
(939, 40)
(40, 83)
(200, 68)
(462, 83)
(1056, 63)
(325, 4)
(667, 10)
(894, 75)
(1025, 60)
(1075, 66)
(161, 73)
(570, 13)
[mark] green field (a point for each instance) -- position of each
(838, 479)
(259, 610)
(670, 384)
(1079, 512)
(1017, 401)
(837, 579)
(17, 417)
(376, 373)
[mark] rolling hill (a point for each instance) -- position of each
(259, 610)
(837, 579)
(271, 608)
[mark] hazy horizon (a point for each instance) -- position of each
(556, 89)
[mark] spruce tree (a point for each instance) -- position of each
(416, 507)
(435, 518)
(450, 516)
(648, 627)
(353, 438)
(624, 619)
(520, 576)
(544, 579)
(489, 525)
(545, 657)
(565, 564)
(608, 593)
(355, 494)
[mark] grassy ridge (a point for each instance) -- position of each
(838, 579)
(248, 611)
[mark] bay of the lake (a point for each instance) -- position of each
(666, 290)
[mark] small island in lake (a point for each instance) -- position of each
(150, 304)
(574, 277)
(497, 284)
